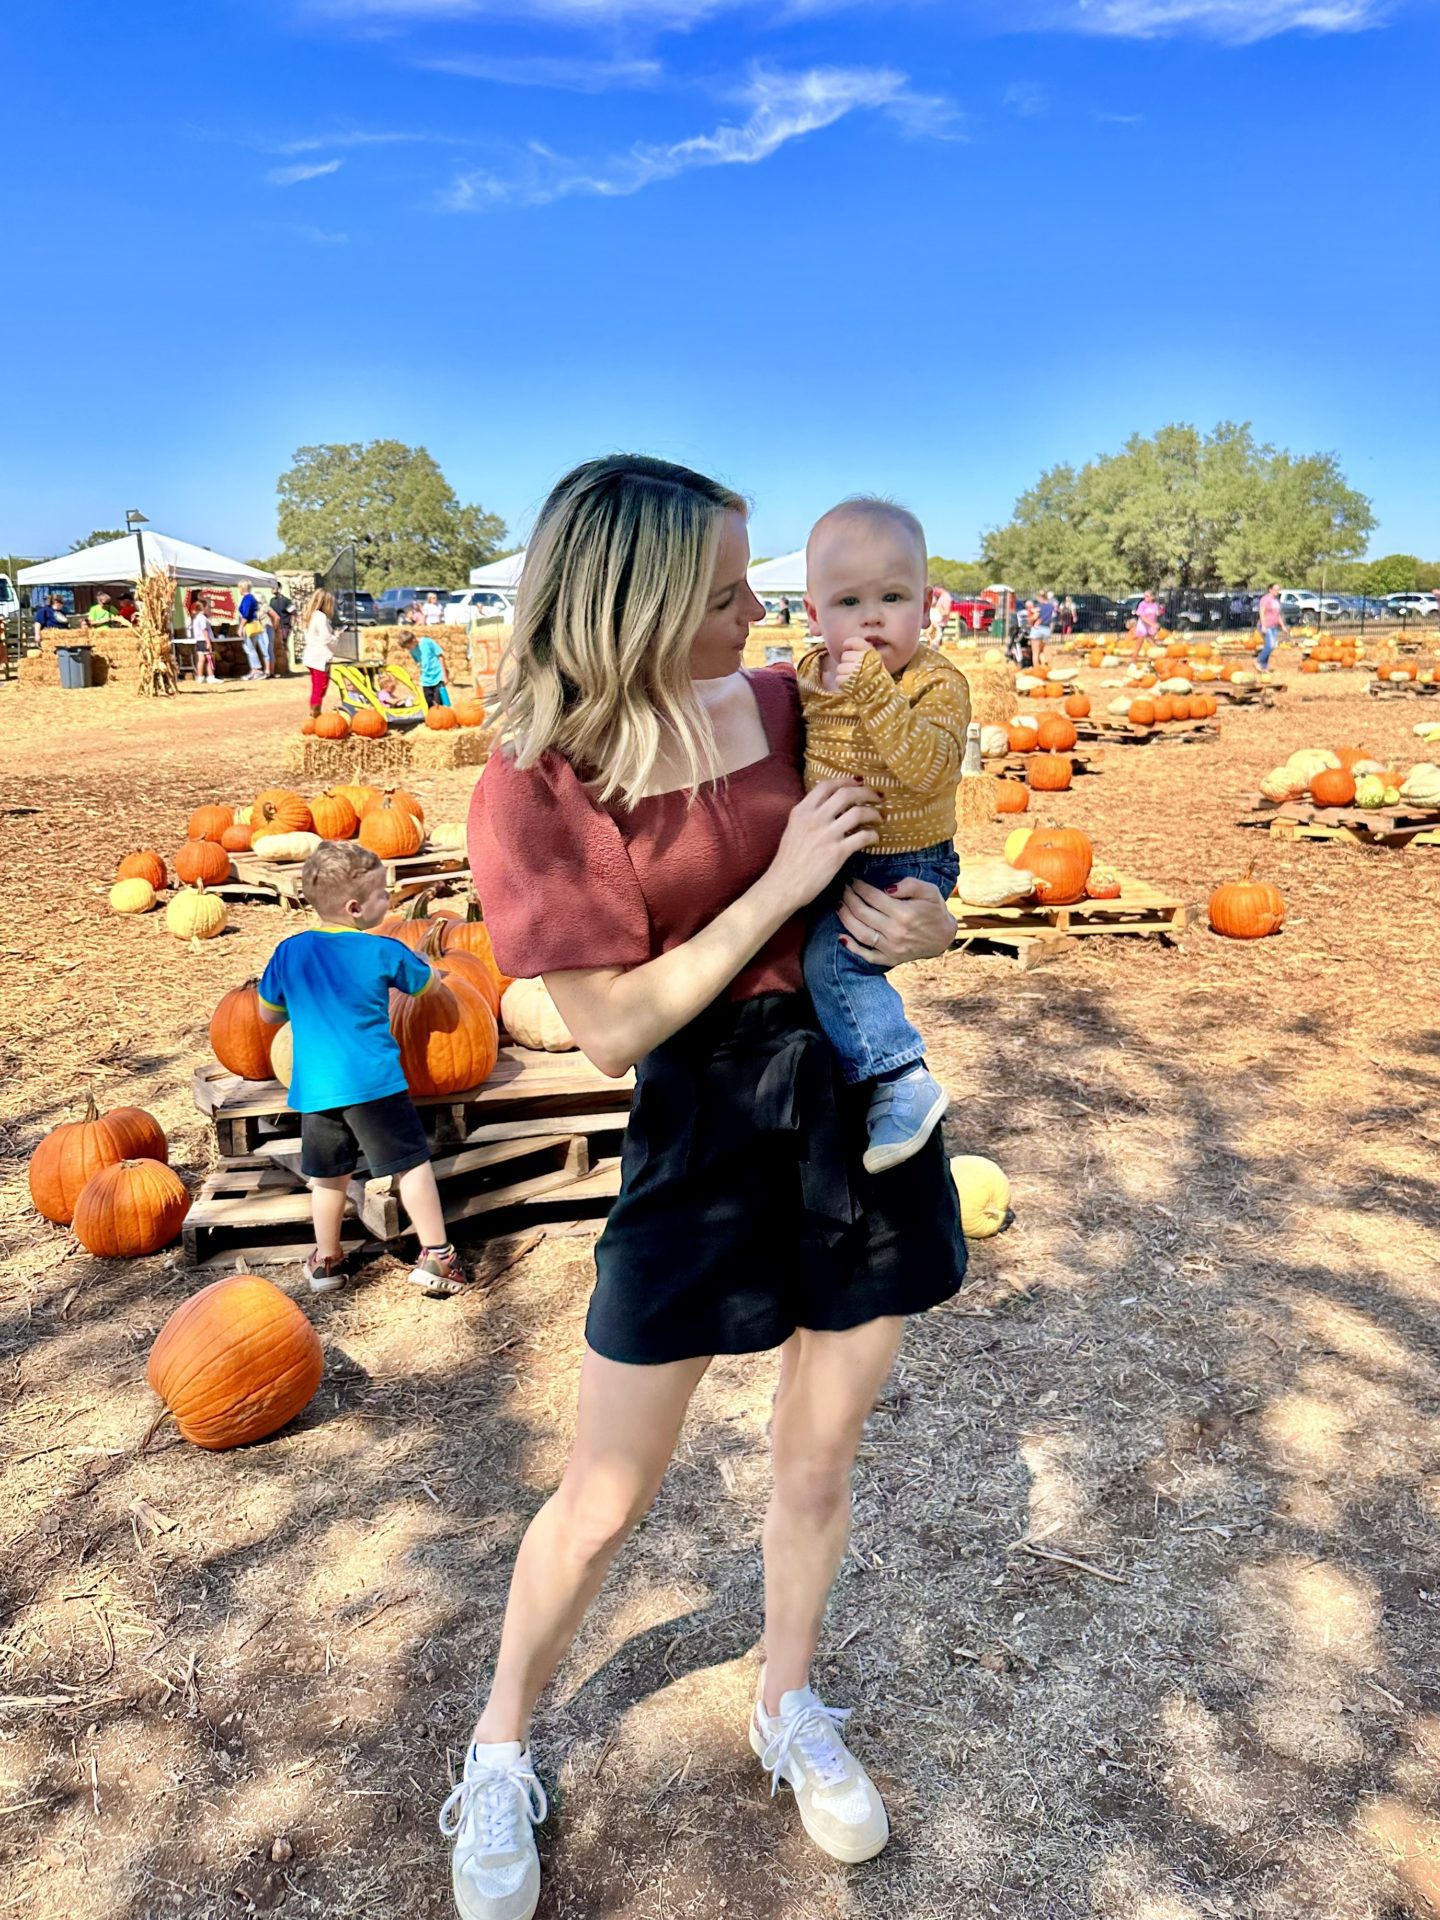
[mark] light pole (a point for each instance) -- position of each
(134, 520)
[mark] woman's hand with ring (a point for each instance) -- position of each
(835, 820)
(912, 923)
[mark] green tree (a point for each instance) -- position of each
(395, 503)
(1427, 576)
(960, 576)
(98, 538)
(1393, 573)
(1181, 509)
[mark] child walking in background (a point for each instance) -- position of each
(203, 635)
(880, 708)
(429, 658)
(319, 647)
(348, 1085)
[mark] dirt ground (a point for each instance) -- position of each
(1204, 1362)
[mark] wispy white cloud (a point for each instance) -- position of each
(1027, 98)
(539, 70)
(595, 13)
(358, 137)
(782, 107)
(1239, 22)
(1120, 119)
(320, 236)
(293, 176)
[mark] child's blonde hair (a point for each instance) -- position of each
(615, 584)
(874, 506)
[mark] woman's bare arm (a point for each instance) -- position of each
(618, 1015)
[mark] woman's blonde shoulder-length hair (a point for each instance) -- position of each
(616, 580)
(320, 601)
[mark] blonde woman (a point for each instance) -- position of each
(319, 648)
(644, 842)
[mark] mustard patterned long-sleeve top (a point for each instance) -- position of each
(903, 735)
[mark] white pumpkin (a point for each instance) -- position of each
(132, 896)
(1176, 686)
(993, 657)
(984, 1195)
(282, 1054)
(994, 883)
(1028, 682)
(1243, 678)
(1120, 708)
(285, 846)
(449, 837)
(1282, 784)
(531, 1018)
(994, 741)
(1026, 720)
(1421, 786)
(1428, 731)
(1064, 674)
(1309, 761)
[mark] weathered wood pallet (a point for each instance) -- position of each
(1403, 689)
(1184, 731)
(1358, 826)
(1036, 934)
(280, 879)
(524, 1086)
(1263, 697)
(1013, 765)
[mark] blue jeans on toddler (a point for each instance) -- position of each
(862, 1015)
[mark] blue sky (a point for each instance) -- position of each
(810, 246)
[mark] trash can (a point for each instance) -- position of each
(75, 670)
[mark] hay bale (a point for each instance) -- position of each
(976, 799)
(992, 694)
(330, 763)
(458, 747)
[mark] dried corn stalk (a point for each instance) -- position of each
(156, 661)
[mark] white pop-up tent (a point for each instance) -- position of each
(116, 560)
(504, 574)
(783, 576)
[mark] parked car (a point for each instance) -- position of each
(356, 609)
(1097, 613)
(478, 603)
(394, 604)
(9, 599)
(1412, 606)
(975, 616)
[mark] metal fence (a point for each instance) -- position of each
(1236, 610)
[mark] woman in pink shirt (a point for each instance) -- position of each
(1147, 618)
(1272, 624)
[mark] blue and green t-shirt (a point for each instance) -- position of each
(334, 984)
(430, 660)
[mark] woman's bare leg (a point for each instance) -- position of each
(629, 1422)
(828, 1384)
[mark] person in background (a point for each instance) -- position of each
(319, 648)
(1065, 617)
(1272, 624)
(432, 614)
(270, 636)
(126, 609)
(1021, 648)
(429, 658)
(1044, 624)
(782, 618)
(283, 608)
(102, 614)
(50, 614)
(202, 636)
(1147, 617)
(251, 627)
(942, 605)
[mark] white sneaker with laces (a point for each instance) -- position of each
(495, 1870)
(838, 1803)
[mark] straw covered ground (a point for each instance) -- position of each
(1140, 1618)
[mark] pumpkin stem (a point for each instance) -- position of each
(92, 1112)
(154, 1427)
(419, 908)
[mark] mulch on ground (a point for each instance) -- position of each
(1141, 1610)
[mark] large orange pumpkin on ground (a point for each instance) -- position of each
(235, 1362)
(1333, 787)
(1057, 734)
(369, 725)
(70, 1153)
(202, 860)
(236, 839)
(1061, 857)
(1077, 705)
(448, 1037)
(1049, 772)
(334, 817)
(390, 832)
(1246, 909)
(1011, 797)
(239, 1038)
(132, 1208)
(142, 865)
(208, 823)
(278, 810)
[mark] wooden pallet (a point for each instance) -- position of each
(1357, 826)
(1184, 731)
(1403, 690)
(280, 879)
(1034, 935)
(1263, 697)
(524, 1086)
(1013, 765)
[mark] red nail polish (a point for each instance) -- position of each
(892, 889)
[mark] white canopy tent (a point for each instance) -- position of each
(783, 576)
(115, 560)
(504, 574)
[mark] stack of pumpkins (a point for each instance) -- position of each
(1041, 866)
(369, 723)
(1045, 741)
(1347, 777)
(1174, 699)
(1329, 653)
(107, 1177)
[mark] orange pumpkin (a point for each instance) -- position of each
(1333, 787)
(361, 798)
(1347, 756)
(1180, 707)
(209, 823)
(1309, 666)
(472, 936)
(143, 865)
(236, 839)
(129, 1209)
(470, 713)
(1061, 858)
(1102, 884)
(448, 1037)
(441, 719)
(1142, 713)
(1164, 708)
(1057, 734)
(391, 832)
(1021, 739)
(307, 725)
(1145, 680)
(278, 810)
(235, 1362)
(1077, 705)
(70, 1153)
(1246, 909)
(331, 726)
(395, 796)
(1011, 797)
(367, 724)
(334, 817)
(239, 1038)
(1096, 657)
(1049, 772)
(201, 860)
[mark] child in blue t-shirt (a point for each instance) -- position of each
(348, 1085)
(429, 657)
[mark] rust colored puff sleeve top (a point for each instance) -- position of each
(567, 882)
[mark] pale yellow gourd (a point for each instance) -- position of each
(1422, 785)
(1175, 686)
(1120, 709)
(1309, 761)
(449, 837)
(132, 896)
(194, 914)
(1015, 844)
(1282, 784)
(994, 742)
(282, 1054)
(242, 816)
(531, 1018)
(1028, 682)
(1369, 790)
(289, 847)
(994, 883)
(984, 1195)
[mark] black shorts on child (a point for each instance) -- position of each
(388, 1132)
